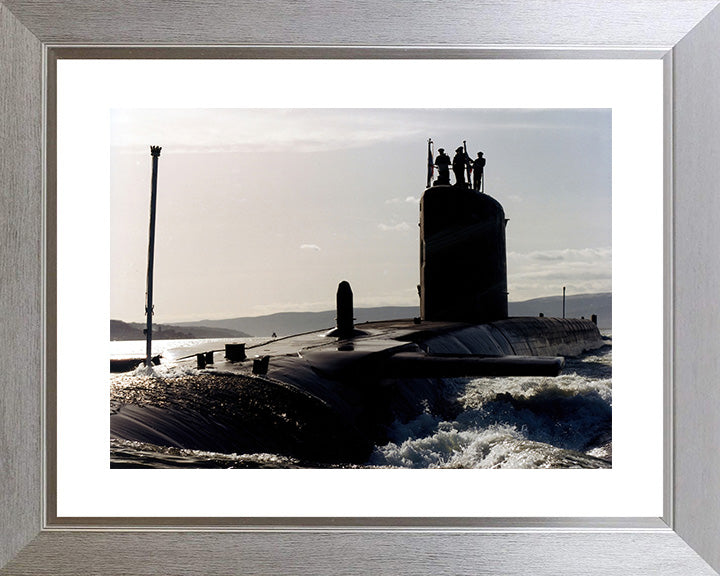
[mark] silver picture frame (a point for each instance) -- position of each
(683, 33)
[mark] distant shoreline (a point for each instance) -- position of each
(120, 331)
(286, 323)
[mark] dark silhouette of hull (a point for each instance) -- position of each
(332, 401)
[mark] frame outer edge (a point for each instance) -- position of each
(696, 113)
(582, 23)
(20, 53)
(21, 333)
(68, 553)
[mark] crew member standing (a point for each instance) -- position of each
(443, 165)
(459, 163)
(478, 167)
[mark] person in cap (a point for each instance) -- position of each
(478, 169)
(459, 163)
(443, 165)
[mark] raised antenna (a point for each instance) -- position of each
(155, 153)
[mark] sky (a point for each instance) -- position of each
(267, 210)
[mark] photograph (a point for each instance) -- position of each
(361, 288)
(408, 288)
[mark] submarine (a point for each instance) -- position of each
(329, 397)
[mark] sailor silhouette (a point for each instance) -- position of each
(478, 171)
(460, 163)
(443, 165)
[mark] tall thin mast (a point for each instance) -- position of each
(155, 153)
(430, 164)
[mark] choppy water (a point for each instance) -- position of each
(519, 422)
(524, 422)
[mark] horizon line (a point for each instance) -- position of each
(144, 320)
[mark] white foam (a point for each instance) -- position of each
(172, 370)
(497, 446)
(519, 422)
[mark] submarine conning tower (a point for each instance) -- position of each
(463, 267)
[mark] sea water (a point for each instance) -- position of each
(509, 422)
(516, 422)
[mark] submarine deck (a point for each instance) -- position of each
(513, 337)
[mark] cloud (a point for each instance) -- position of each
(280, 131)
(406, 200)
(547, 257)
(311, 247)
(539, 273)
(566, 254)
(401, 227)
(260, 130)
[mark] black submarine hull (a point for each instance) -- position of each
(329, 402)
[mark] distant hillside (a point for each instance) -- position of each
(286, 323)
(134, 331)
